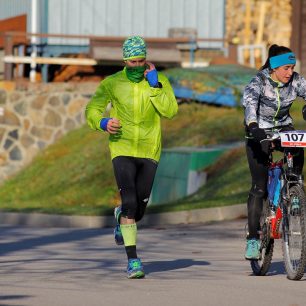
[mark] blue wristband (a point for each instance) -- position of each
(152, 78)
(103, 123)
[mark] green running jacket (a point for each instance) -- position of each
(139, 108)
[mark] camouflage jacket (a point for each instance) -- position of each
(268, 102)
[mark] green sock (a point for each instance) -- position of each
(129, 233)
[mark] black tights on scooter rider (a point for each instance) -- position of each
(258, 159)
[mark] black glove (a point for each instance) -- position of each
(256, 132)
(304, 112)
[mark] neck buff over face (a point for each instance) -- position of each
(135, 74)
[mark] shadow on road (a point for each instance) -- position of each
(277, 268)
(30, 243)
(11, 298)
(169, 265)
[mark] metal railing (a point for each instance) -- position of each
(249, 54)
(12, 39)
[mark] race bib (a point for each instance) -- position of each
(293, 139)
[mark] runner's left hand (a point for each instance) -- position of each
(151, 75)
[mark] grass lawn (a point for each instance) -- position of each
(75, 176)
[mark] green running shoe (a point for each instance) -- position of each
(135, 268)
(252, 249)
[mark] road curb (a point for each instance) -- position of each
(170, 218)
(197, 215)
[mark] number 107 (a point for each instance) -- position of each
(294, 136)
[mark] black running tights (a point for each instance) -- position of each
(134, 178)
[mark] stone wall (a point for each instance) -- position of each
(33, 116)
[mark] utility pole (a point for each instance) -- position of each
(34, 40)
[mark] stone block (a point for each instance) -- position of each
(39, 102)
(59, 134)
(66, 99)
(9, 118)
(3, 159)
(21, 108)
(15, 153)
(41, 132)
(14, 134)
(26, 124)
(76, 106)
(26, 140)
(52, 118)
(8, 143)
(35, 117)
(41, 144)
(15, 96)
(69, 124)
(54, 101)
(2, 132)
(80, 118)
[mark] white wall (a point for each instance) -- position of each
(130, 17)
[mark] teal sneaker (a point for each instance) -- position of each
(252, 249)
(117, 231)
(135, 268)
(295, 206)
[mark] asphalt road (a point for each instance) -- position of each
(185, 265)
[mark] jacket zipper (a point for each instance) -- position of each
(278, 106)
(136, 117)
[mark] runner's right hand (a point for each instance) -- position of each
(113, 126)
(257, 133)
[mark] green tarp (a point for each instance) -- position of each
(216, 84)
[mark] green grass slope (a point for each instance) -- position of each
(74, 175)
